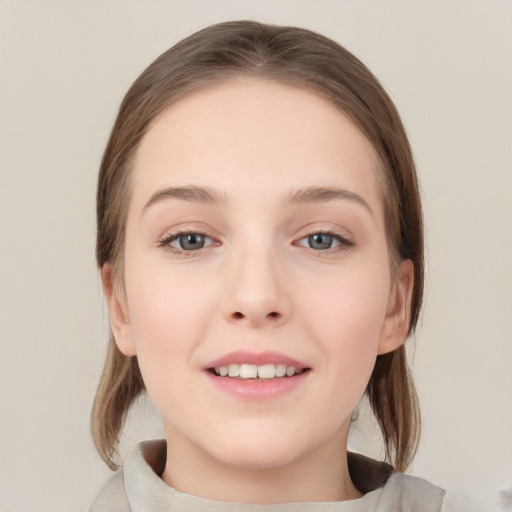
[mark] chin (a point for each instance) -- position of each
(259, 450)
(258, 457)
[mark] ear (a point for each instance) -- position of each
(118, 312)
(396, 324)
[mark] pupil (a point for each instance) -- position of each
(320, 241)
(191, 242)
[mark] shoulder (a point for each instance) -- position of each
(411, 494)
(138, 477)
(392, 491)
(112, 498)
(419, 495)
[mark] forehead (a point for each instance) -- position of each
(254, 133)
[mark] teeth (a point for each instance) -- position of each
(234, 370)
(248, 371)
(222, 370)
(251, 371)
(280, 370)
(267, 371)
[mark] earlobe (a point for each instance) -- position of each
(396, 324)
(118, 313)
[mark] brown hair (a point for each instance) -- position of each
(305, 59)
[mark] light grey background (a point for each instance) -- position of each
(64, 68)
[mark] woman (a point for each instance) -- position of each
(260, 243)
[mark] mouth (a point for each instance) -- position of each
(257, 376)
(243, 371)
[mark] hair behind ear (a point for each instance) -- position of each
(394, 402)
(120, 385)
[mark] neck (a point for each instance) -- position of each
(321, 475)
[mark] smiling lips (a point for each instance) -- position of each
(252, 371)
(244, 365)
(256, 377)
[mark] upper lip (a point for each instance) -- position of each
(256, 358)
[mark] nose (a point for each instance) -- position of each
(257, 291)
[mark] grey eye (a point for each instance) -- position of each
(191, 242)
(324, 241)
(320, 241)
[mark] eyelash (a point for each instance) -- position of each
(343, 243)
(166, 241)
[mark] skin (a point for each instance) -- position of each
(257, 285)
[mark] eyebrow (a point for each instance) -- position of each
(207, 195)
(324, 195)
(191, 193)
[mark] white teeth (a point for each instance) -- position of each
(280, 370)
(234, 370)
(248, 371)
(251, 371)
(267, 371)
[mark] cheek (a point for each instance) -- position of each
(169, 314)
(345, 314)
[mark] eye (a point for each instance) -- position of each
(323, 241)
(189, 241)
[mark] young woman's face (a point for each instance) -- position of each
(255, 245)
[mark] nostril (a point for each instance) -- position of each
(274, 314)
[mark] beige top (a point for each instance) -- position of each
(137, 487)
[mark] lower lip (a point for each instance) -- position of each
(258, 389)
